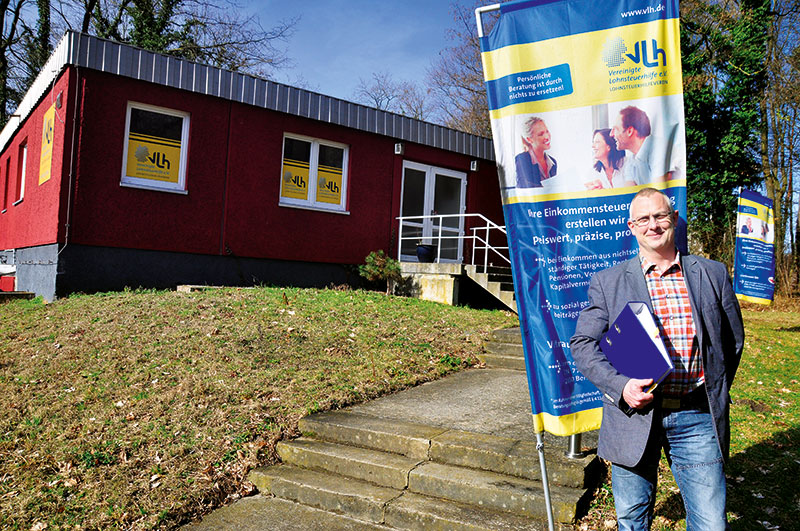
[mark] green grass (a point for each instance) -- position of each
(763, 474)
(145, 409)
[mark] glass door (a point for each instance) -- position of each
(431, 192)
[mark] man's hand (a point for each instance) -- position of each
(634, 393)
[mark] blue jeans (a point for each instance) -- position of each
(690, 445)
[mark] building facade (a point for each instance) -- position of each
(124, 168)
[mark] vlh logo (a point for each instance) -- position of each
(331, 186)
(615, 53)
(157, 158)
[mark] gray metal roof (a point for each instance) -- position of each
(86, 51)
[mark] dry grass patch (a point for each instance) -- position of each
(145, 409)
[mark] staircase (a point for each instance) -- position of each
(376, 469)
(504, 350)
(495, 280)
(413, 476)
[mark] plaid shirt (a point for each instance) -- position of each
(673, 314)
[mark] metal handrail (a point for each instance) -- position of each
(480, 236)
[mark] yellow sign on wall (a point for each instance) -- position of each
(153, 157)
(48, 134)
(329, 184)
(294, 184)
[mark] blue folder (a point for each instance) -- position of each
(634, 346)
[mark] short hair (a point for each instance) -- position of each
(530, 122)
(636, 118)
(647, 192)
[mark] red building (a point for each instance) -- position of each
(123, 167)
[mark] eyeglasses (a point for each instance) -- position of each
(662, 218)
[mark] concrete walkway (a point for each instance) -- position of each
(492, 402)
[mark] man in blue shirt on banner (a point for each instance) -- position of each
(688, 415)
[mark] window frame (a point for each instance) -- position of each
(22, 171)
(4, 167)
(313, 174)
(152, 184)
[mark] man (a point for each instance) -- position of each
(631, 130)
(688, 414)
(533, 164)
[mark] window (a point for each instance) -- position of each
(5, 187)
(156, 143)
(22, 169)
(314, 174)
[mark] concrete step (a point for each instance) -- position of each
(502, 362)
(512, 457)
(16, 295)
(505, 349)
(405, 438)
(491, 270)
(375, 433)
(257, 513)
(507, 335)
(330, 492)
(494, 491)
(455, 447)
(501, 286)
(374, 505)
(413, 511)
(381, 468)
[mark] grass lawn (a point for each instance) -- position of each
(144, 409)
(764, 470)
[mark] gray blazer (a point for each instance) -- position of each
(718, 321)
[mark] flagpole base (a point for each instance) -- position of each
(574, 447)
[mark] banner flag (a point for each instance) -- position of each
(754, 270)
(586, 105)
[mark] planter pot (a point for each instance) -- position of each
(426, 253)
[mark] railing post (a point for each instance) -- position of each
(486, 250)
(400, 240)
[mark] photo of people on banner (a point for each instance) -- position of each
(608, 146)
(754, 269)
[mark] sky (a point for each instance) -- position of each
(337, 42)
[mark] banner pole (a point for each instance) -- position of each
(545, 482)
(480, 11)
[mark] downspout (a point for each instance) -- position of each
(72, 160)
(224, 250)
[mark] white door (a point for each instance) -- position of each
(431, 191)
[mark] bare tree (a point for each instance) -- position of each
(456, 77)
(10, 16)
(380, 92)
(35, 47)
(780, 131)
(415, 102)
(403, 97)
(216, 32)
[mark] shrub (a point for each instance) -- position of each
(379, 267)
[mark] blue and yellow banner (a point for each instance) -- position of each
(754, 270)
(586, 104)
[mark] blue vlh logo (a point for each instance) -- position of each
(640, 54)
